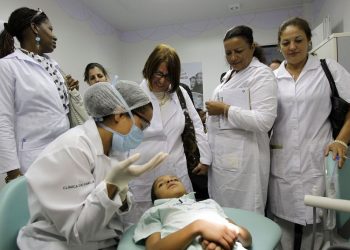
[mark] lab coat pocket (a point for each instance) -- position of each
(315, 159)
(277, 161)
(33, 144)
(228, 152)
(29, 151)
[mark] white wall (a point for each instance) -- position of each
(338, 12)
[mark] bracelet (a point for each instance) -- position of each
(342, 143)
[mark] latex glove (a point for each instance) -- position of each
(124, 171)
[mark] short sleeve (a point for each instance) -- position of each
(148, 224)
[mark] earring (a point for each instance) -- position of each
(37, 41)
(309, 46)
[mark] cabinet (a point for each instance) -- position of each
(337, 47)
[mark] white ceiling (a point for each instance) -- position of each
(128, 15)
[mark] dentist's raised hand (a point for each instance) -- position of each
(125, 171)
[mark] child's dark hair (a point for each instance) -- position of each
(153, 191)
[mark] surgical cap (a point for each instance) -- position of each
(132, 93)
(102, 99)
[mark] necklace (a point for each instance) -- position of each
(163, 97)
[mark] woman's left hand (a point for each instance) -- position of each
(339, 152)
(72, 83)
(201, 169)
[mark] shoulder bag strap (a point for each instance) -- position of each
(181, 99)
(330, 77)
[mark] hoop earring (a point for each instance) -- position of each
(37, 41)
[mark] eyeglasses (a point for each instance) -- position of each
(160, 75)
(145, 123)
(38, 13)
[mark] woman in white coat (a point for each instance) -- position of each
(162, 77)
(241, 112)
(76, 192)
(33, 96)
(302, 131)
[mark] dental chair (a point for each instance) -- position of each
(14, 212)
(340, 204)
(265, 233)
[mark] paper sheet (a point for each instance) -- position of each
(239, 97)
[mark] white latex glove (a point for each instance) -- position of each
(124, 171)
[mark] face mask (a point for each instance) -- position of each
(126, 142)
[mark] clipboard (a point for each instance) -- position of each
(238, 97)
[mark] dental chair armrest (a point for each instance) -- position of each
(327, 203)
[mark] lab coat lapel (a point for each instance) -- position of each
(311, 64)
(21, 56)
(156, 122)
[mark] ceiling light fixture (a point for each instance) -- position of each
(235, 6)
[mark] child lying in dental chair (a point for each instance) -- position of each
(178, 221)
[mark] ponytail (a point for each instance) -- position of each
(7, 43)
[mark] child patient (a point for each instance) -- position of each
(178, 221)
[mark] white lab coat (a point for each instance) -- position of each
(68, 201)
(239, 174)
(31, 113)
(300, 135)
(164, 134)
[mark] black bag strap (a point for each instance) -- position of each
(330, 77)
(181, 99)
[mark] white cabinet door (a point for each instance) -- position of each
(327, 50)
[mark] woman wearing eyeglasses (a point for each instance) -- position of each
(162, 78)
(33, 96)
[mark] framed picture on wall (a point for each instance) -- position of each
(192, 75)
(272, 52)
